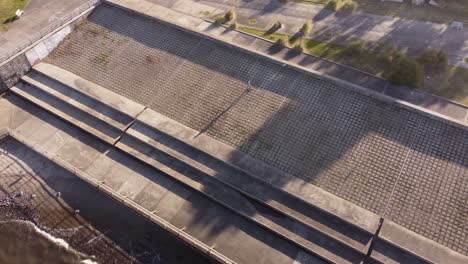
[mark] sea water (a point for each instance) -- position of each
(24, 242)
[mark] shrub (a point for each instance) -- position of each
(253, 21)
(306, 28)
(298, 47)
(334, 5)
(347, 5)
(466, 60)
(433, 60)
(277, 25)
(406, 71)
(356, 48)
(350, 6)
(233, 25)
(389, 52)
(230, 15)
(219, 20)
(294, 39)
(206, 13)
(281, 42)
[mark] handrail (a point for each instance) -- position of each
(50, 28)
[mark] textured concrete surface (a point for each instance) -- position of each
(109, 98)
(233, 235)
(349, 144)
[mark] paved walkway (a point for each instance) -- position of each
(342, 27)
(389, 159)
(38, 15)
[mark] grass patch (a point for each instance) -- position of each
(103, 59)
(7, 12)
(253, 21)
(451, 83)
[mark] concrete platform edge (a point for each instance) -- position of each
(418, 245)
(195, 243)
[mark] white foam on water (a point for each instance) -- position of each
(57, 241)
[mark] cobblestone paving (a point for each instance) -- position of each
(346, 143)
(431, 196)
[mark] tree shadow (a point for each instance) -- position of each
(311, 128)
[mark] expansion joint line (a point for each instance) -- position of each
(382, 218)
(402, 167)
(128, 126)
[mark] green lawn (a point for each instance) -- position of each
(7, 11)
(452, 84)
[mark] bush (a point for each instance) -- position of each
(281, 42)
(356, 48)
(306, 28)
(277, 25)
(299, 47)
(230, 15)
(294, 39)
(433, 60)
(233, 25)
(334, 5)
(406, 71)
(350, 6)
(347, 5)
(219, 20)
(389, 52)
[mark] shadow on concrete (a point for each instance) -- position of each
(103, 227)
(317, 111)
(346, 143)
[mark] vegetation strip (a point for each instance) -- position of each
(429, 72)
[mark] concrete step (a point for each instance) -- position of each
(67, 112)
(296, 208)
(79, 100)
(313, 236)
(112, 100)
(190, 215)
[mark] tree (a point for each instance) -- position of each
(433, 60)
(230, 15)
(306, 28)
(406, 71)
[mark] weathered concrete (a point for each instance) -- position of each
(78, 100)
(416, 244)
(307, 191)
(38, 15)
(320, 130)
(59, 108)
(105, 96)
(166, 153)
(136, 185)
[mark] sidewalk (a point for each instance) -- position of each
(407, 34)
(38, 15)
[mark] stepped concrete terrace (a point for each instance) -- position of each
(247, 159)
